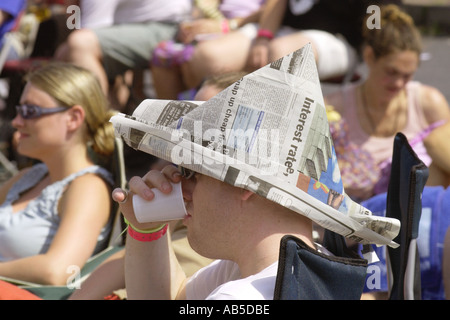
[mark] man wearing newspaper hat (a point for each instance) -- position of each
(238, 210)
(224, 222)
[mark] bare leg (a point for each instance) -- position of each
(225, 54)
(82, 48)
(167, 82)
(279, 47)
(119, 93)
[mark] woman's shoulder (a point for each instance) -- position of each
(89, 191)
(433, 102)
(92, 173)
(90, 183)
(92, 178)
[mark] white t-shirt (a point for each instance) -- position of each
(221, 280)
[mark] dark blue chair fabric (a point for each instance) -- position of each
(305, 274)
(404, 202)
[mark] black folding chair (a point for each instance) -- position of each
(305, 274)
(404, 202)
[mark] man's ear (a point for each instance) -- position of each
(76, 117)
(246, 194)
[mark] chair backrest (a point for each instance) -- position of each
(7, 168)
(116, 165)
(117, 237)
(305, 274)
(404, 202)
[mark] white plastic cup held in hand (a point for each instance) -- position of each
(163, 207)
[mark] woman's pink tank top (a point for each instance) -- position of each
(381, 147)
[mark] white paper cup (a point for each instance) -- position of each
(163, 207)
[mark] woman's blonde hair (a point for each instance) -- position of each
(71, 85)
(397, 33)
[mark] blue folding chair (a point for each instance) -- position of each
(404, 202)
(305, 274)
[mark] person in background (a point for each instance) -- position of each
(10, 11)
(216, 41)
(126, 42)
(386, 102)
(278, 28)
(57, 213)
(331, 27)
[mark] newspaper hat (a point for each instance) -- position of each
(268, 133)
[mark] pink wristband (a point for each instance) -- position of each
(225, 26)
(147, 237)
(264, 33)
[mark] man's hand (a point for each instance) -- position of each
(142, 187)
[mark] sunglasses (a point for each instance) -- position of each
(186, 173)
(30, 111)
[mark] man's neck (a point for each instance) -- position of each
(257, 257)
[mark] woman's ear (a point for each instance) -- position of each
(76, 117)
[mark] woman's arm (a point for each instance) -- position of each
(270, 20)
(84, 211)
(438, 148)
(434, 104)
(436, 108)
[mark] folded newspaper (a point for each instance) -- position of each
(268, 133)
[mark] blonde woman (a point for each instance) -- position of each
(56, 214)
